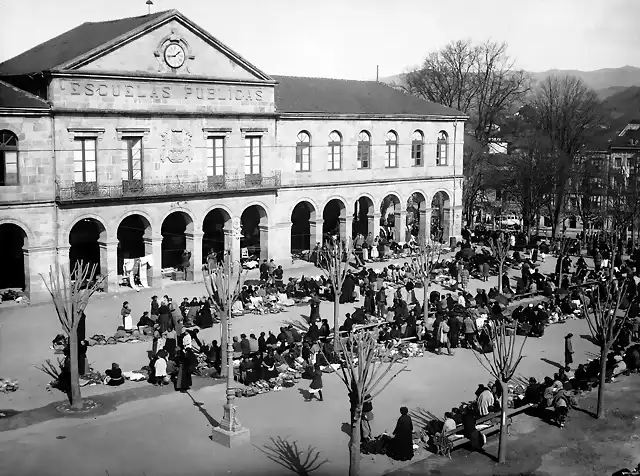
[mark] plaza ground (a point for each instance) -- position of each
(158, 432)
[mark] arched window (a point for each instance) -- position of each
(364, 150)
(303, 152)
(417, 146)
(392, 149)
(335, 151)
(442, 152)
(8, 159)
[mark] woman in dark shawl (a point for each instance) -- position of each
(187, 363)
(205, 319)
(476, 440)
(164, 317)
(348, 286)
(402, 444)
(268, 366)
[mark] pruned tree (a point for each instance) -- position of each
(606, 319)
(367, 370)
(70, 293)
(502, 365)
(500, 251)
(562, 245)
(569, 113)
(334, 263)
(424, 264)
(477, 79)
(224, 284)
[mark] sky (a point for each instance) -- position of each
(348, 38)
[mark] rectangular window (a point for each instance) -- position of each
(9, 167)
(392, 155)
(215, 157)
(416, 153)
(132, 164)
(441, 156)
(252, 153)
(303, 162)
(335, 156)
(363, 156)
(618, 162)
(84, 160)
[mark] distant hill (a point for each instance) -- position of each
(606, 82)
(623, 106)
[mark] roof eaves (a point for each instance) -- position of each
(44, 103)
(110, 45)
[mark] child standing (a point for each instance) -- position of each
(316, 383)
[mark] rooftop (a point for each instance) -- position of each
(339, 96)
(12, 97)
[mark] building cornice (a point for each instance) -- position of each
(151, 113)
(348, 183)
(303, 116)
(24, 111)
(128, 76)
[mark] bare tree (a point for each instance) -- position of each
(479, 80)
(367, 370)
(502, 366)
(606, 319)
(569, 113)
(562, 245)
(70, 293)
(334, 263)
(425, 263)
(500, 251)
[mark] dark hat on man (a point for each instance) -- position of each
(568, 336)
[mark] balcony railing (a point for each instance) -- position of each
(139, 189)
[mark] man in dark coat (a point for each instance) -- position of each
(454, 330)
(348, 286)
(568, 350)
(401, 447)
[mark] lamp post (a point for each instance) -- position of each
(230, 433)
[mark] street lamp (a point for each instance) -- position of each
(225, 283)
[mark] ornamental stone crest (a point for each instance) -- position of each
(236, 228)
(176, 146)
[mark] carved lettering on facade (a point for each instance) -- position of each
(154, 91)
(176, 146)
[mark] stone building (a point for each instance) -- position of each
(145, 137)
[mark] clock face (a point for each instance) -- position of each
(174, 55)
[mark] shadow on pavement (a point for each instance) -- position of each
(200, 406)
(552, 362)
(289, 456)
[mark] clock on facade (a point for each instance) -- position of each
(174, 55)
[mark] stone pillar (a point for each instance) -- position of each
(279, 242)
(109, 264)
(37, 263)
(456, 225)
(153, 248)
(194, 246)
(232, 244)
(346, 228)
(446, 225)
(373, 224)
(264, 242)
(425, 225)
(400, 225)
(315, 230)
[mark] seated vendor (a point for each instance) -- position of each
(114, 376)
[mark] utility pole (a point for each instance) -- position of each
(377, 72)
(149, 5)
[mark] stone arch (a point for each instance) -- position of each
(177, 230)
(134, 236)
(104, 236)
(216, 233)
(254, 223)
(364, 214)
(303, 226)
(144, 214)
(334, 216)
(88, 244)
(14, 256)
(392, 215)
(441, 215)
(25, 228)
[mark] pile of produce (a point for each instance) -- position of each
(8, 385)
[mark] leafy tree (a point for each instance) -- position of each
(70, 293)
(502, 366)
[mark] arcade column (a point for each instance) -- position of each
(109, 264)
(194, 245)
(315, 230)
(153, 247)
(400, 226)
(373, 224)
(425, 225)
(346, 228)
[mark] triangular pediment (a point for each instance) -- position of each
(170, 46)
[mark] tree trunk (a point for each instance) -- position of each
(336, 325)
(425, 284)
(224, 337)
(354, 443)
(500, 277)
(502, 449)
(603, 376)
(75, 397)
